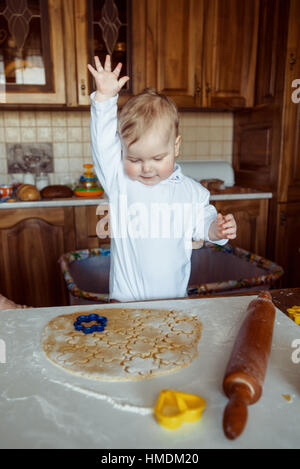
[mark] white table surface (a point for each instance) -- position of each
(43, 406)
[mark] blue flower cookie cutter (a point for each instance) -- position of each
(99, 327)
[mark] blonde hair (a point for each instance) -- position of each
(142, 111)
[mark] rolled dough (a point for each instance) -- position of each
(136, 343)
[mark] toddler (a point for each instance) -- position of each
(134, 160)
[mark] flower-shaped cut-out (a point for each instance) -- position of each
(101, 322)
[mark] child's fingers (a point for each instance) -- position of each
(93, 71)
(229, 231)
(117, 70)
(220, 219)
(107, 65)
(229, 224)
(98, 64)
(229, 221)
(233, 236)
(122, 81)
(228, 217)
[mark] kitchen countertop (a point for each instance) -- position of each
(282, 298)
(75, 412)
(78, 201)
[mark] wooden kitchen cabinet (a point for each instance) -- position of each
(31, 53)
(230, 49)
(45, 56)
(273, 17)
(287, 250)
(86, 219)
(251, 216)
(31, 242)
(257, 131)
(203, 52)
(174, 40)
(266, 138)
(289, 162)
(115, 27)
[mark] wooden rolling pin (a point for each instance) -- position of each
(246, 369)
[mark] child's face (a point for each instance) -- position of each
(151, 159)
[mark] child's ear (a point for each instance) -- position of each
(177, 145)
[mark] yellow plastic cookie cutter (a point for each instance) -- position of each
(294, 313)
(172, 408)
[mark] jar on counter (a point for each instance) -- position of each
(29, 178)
(42, 181)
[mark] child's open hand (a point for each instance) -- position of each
(224, 227)
(107, 82)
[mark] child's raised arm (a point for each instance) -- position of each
(105, 140)
(107, 82)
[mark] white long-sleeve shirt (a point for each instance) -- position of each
(152, 227)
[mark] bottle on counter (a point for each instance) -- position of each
(29, 178)
(42, 181)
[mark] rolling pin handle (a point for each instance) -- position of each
(235, 417)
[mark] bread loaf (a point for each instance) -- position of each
(56, 191)
(28, 192)
(212, 184)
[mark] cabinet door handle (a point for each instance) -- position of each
(198, 88)
(82, 87)
(292, 61)
(282, 218)
(207, 89)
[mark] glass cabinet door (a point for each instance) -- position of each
(31, 52)
(109, 27)
(109, 24)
